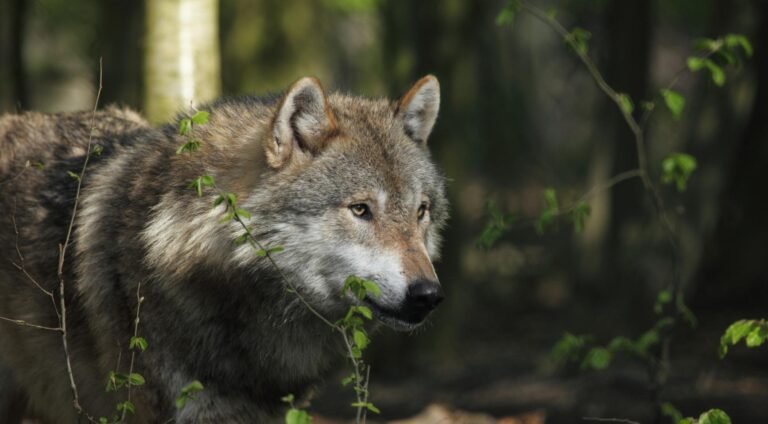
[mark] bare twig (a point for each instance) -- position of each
(27, 324)
(62, 255)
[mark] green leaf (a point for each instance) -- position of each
(578, 38)
(579, 215)
(190, 146)
(687, 421)
(126, 406)
(97, 150)
(185, 126)
(507, 15)
(675, 102)
(647, 340)
(242, 213)
(231, 199)
(73, 175)
(194, 386)
(139, 343)
(207, 180)
(625, 103)
(188, 393)
(568, 348)
(219, 200)
(664, 297)
(365, 311)
(372, 288)
(735, 40)
(200, 118)
(695, 63)
(288, 398)
(756, 337)
(677, 168)
(367, 405)
(136, 379)
(718, 75)
(669, 410)
(361, 339)
(496, 226)
(196, 185)
(348, 379)
(597, 358)
(714, 416)
(297, 416)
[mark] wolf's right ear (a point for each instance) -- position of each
(302, 125)
(418, 108)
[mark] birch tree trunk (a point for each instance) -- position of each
(182, 56)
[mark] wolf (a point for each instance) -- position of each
(345, 185)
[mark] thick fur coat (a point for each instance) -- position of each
(344, 184)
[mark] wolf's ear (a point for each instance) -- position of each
(303, 122)
(418, 108)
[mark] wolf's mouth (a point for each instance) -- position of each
(396, 319)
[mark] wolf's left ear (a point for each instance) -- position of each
(418, 108)
(302, 125)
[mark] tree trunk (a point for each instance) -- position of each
(733, 268)
(182, 56)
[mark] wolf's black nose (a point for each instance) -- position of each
(424, 295)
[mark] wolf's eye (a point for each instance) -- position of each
(422, 211)
(361, 210)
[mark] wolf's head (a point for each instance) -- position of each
(350, 189)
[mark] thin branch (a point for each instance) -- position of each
(63, 251)
(27, 324)
(139, 301)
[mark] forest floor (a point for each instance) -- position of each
(499, 381)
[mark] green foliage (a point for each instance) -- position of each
(578, 38)
(126, 406)
(578, 216)
(117, 381)
(597, 358)
(508, 13)
(185, 128)
(727, 49)
(138, 343)
(669, 410)
(272, 250)
(548, 217)
(367, 405)
(675, 102)
(75, 176)
(753, 332)
(200, 182)
(297, 416)
(497, 225)
(713, 416)
(190, 146)
(200, 117)
(97, 150)
(188, 393)
(569, 348)
(677, 168)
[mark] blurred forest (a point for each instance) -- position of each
(519, 114)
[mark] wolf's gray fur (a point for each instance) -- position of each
(345, 184)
